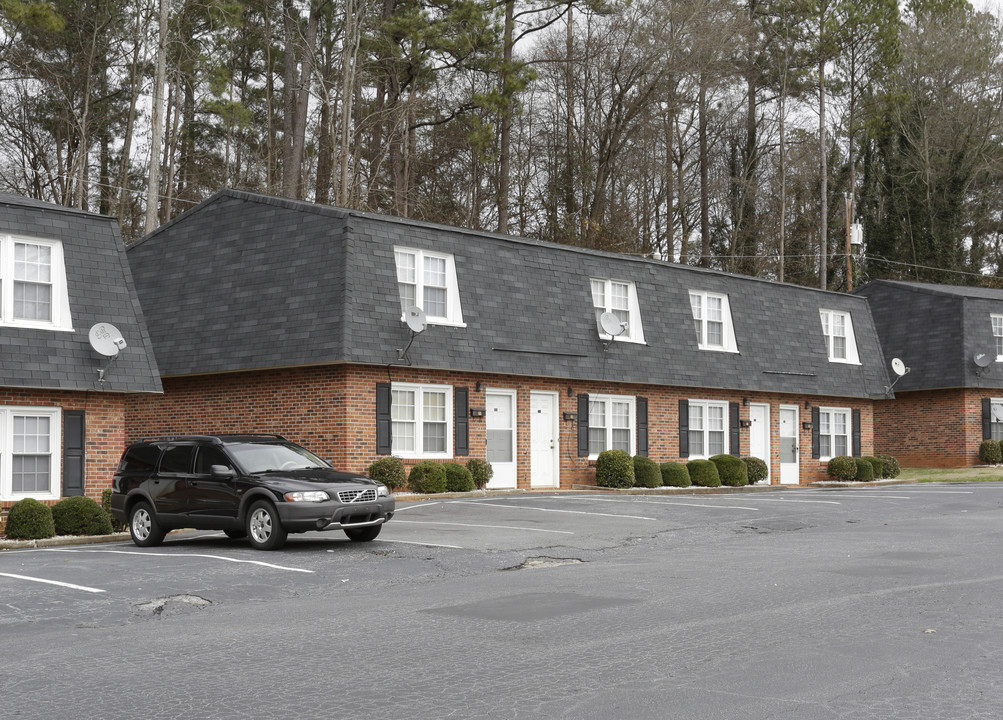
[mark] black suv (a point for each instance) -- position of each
(261, 487)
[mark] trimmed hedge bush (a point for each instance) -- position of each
(703, 473)
(757, 469)
(891, 467)
(458, 478)
(427, 477)
(481, 471)
(614, 469)
(990, 452)
(732, 471)
(877, 466)
(675, 474)
(842, 467)
(865, 471)
(116, 525)
(389, 471)
(80, 516)
(646, 472)
(29, 519)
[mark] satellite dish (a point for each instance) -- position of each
(898, 367)
(415, 319)
(611, 324)
(982, 360)
(106, 339)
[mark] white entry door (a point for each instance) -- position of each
(544, 451)
(759, 437)
(501, 440)
(790, 454)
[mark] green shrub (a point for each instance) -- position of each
(389, 471)
(877, 467)
(674, 474)
(990, 452)
(458, 478)
(427, 477)
(646, 472)
(116, 524)
(732, 471)
(703, 473)
(80, 516)
(891, 467)
(865, 471)
(29, 519)
(614, 469)
(481, 471)
(757, 469)
(842, 467)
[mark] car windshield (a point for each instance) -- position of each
(260, 457)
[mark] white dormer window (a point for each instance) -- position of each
(619, 298)
(712, 320)
(837, 327)
(997, 321)
(33, 284)
(428, 279)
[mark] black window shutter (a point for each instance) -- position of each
(583, 425)
(461, 424)
(856, 433)
(733, 426)
(74, 447)
(383, 424)
(816, 443)
(987, 419)
(642, 426)
(684, 428)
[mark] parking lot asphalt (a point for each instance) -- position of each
(874, 602)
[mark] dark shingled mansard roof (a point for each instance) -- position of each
(99, 284)
(246, 282)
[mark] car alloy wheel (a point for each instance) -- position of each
(143, 526)
(264, 529)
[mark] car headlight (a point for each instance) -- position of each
(382, 491)
(308, 496)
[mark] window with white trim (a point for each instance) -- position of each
(30, 453)
(611, 424)
(33, 284)
(997, 321)
(422, 420)
(428, 279)
(833, 432)
(996, 418)
(840, 344)
(620, 298)
(712, 320)
(708, 428)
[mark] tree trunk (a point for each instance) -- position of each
(157, 123)
(505, 134)
(823, 241)
(704, 176)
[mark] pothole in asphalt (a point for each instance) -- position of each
(172, 604)
(541, 562)
(776, 526)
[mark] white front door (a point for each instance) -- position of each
(544, 451)
(790, 454)
(759, 437)
(501, 441)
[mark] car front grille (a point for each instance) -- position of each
(354, 496)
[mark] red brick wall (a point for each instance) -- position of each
(331, 410)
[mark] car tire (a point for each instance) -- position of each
(143, 526)
(264, 529)
(363, 534)
(236, 534)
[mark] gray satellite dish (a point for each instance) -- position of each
(898, 367)
(611, 324)
(106, 339)
(415, 319)
(982, 360)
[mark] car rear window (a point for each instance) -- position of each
(139, 458)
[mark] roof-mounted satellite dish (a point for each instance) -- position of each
(611, 324)
(106, 339)
(898, 367)
(414, 316)
(982, 359)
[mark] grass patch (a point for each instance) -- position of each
(975, 474)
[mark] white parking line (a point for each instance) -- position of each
(661, 502)
(184, 555)
(864, 495)
(423, 544)
(53, 582)
(782, 500)
(526, 507)
(495, 527)
(416, 505)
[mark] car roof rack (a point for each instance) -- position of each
(217, 439)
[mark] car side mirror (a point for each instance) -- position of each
(222, 472)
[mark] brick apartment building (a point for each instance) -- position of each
(62, 429)
(951, 338)
(272, 315)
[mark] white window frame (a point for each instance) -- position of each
(997, 325)
(55, 415)
(826, 317)
(631, 403)
(996, 410)
(705, 405)
(635, 330)
(419, 451)
(454, 313)
(60, 319)
(826, 417)
(728, 341)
